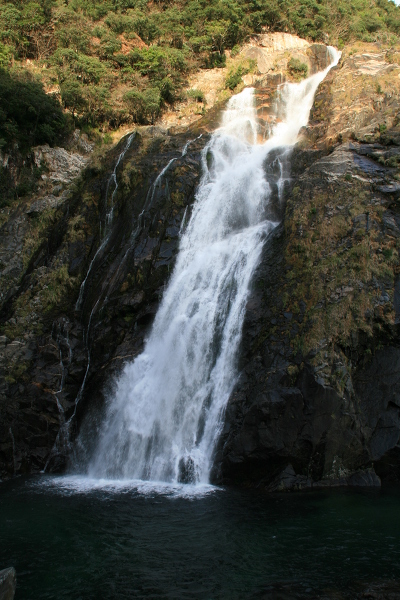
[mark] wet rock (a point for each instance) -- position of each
(392, 188)
(45, 374)
(287, 480)
(187, 471)
(322, 417)
(8, 583)
(364, 479)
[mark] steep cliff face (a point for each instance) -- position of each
(86, 290)
(318, 395)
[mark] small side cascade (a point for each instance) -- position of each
(62, 445)
(60, 335)
(108, 218)
(149, 202)
(183, 223)
(157, 182)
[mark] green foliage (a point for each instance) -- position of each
(72, 95)
(28, 116)
(55, 286)
(24, 26)
(297, 69)
(197, 95)
(5, 56)
(167, 90)
(235, 50)
(144, 106)
(6, 184)
(156, 63)
(87, 69)
(97, 49)
(234, 76)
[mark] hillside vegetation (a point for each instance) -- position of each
(112, 62)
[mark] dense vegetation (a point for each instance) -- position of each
(113, 61)
(28, 115)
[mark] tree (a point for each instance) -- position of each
(98, 108)
(5, 55)
(72, 96)
(144, 106)
(28, 116)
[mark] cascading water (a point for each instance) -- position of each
(167, 411)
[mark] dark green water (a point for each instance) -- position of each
(225, 544)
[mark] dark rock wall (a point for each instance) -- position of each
(317, 398)
(55, 356)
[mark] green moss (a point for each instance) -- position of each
(16, 371)
(131, 177)
(55, 285)
(326, 272)
(178, 198)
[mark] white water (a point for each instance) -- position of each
(72, 484)
(166, 414)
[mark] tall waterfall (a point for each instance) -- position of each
(167, 411)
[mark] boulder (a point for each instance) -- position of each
(8, 583)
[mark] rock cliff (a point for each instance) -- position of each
(318, 397)
(81, 299)
(317, 401)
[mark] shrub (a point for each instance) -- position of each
(234, 76)
(235, 51)
(72, 95)
(297, 69)
(196, 95)
(144, 106)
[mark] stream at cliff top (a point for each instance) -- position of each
(227, 544)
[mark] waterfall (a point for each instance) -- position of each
(166, 413)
